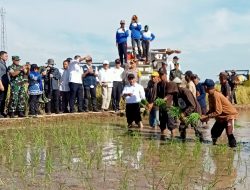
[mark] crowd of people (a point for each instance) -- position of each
(74, 86)
(139, 38)
(189, 94)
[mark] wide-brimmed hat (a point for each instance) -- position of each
(51, 62)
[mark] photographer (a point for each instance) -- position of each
(51, 87)
(135, 28)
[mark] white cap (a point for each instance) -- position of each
(177, 80)
(105, 62)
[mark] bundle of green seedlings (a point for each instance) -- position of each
(192, 119)
(161, 103)
(144, 104)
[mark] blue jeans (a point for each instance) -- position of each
(154, 117)
(136, 42)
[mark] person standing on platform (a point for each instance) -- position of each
(147, 37)
(121, 42)
(135, 28)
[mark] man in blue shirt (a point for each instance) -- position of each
(121, 41)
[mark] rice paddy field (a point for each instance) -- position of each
(97, 151)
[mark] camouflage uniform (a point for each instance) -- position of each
(17, 93)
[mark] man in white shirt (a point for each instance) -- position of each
(117, 73)
(133, 94)
(106, 82)
(64, 87)
(75, 84)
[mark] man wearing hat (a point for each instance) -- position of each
(133, 94)
(17, 85)
(121, 41)
(222, 111)
(117, 73)
(90, 73)
(51, 87)
(151, 94)
(106, 81)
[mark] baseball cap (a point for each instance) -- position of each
(209, 83)
(105, 62)
(122, 22)
(175, 57)
(155, 74)
(16, 58)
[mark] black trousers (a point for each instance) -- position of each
(64, 101)
(133, 113)
(218, 128)
(116, 94)
(145, 47)
(76, 91)
(89, 93)
(163, 117)
(34, 104)
(122, 50)
(3, 96)
(136, 42)
(53, 105)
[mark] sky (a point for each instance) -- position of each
(213, 35)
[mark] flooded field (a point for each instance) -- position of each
(66, 153)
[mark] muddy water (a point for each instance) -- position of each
(76, 155)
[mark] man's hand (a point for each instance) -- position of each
(204, 118)
(51, 75)
(150, 106)
(1, 88)
(182, 118)
(90, 70)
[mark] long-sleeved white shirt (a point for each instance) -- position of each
(117, 74)
(64, 82)
(105, 77)
(137, 92)
(75, 72)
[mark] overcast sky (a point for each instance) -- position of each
(213, 35)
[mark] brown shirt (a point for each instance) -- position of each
(220, 108)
